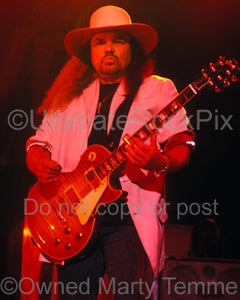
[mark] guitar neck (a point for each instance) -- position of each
(118, 157)
(219, 75)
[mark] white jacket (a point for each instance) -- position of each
(65, 134)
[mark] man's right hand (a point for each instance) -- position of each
(40, 163)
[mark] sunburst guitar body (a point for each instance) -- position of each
(61, 215)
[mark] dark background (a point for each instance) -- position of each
(192, 34)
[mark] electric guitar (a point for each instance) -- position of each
(65, 223)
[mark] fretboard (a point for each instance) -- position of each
(118, 157)
(219, 75)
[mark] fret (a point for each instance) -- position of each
(113, 161)
(158, 122)
(119, 156)
(151, 125)
(107, 166)
(174, 105)
(147, 130)
(193, 89)
(141, 134)
(99, 173)
(187, 94)
(115, 156)
(181, 99)
(167, 111)
(164, 115)
(102, 170)
(172, 109)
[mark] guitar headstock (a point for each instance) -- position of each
(222, 73)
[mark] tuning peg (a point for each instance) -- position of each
(68, 246)
(220, 60)
(228, 72)
(210, 83)
(217, 89)
(232, 64)
(226, 83)
(203, 71)
(204, 75)
(212, 68)
(234, 78)
(57, 241)
(67, 230)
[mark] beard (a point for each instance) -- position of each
(110, 66)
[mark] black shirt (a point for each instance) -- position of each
(117, 213)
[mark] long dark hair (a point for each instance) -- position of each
(140, 67)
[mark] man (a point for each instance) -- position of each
(104, 101)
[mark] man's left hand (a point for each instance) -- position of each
(145, 156)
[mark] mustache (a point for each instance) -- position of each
(110, 55)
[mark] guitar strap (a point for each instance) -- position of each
(118, 123)
(111, 140)
(98, 133)
(116, 129)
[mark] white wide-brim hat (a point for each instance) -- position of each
(109, 18)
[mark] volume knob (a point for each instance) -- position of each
(79, 235)
(68, 246)
(57, 241)
(67, 230)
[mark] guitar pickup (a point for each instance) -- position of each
(93, 178)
